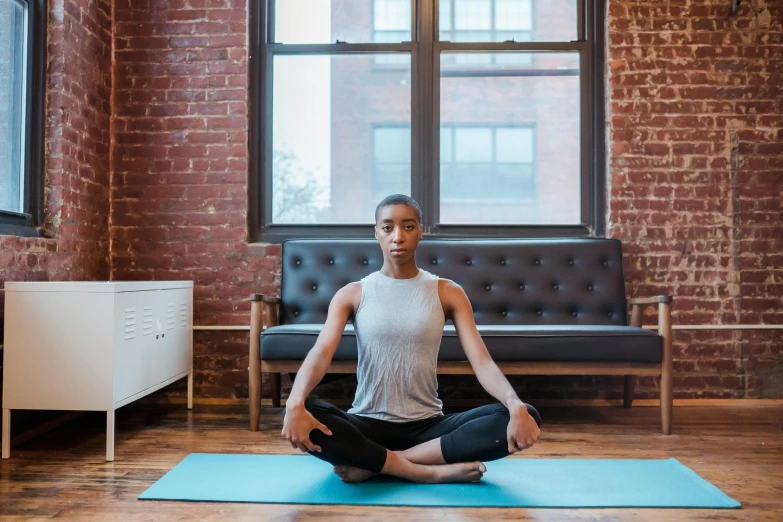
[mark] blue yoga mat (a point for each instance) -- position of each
(510, 482)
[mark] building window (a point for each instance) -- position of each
(486, 21)
(487, 112)
(21, 62)
(491, 166)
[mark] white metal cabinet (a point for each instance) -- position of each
(93, 345)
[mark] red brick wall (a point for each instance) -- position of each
(695, 112)
(77, 164)
(179, 193)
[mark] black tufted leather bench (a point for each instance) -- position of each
(542, 306)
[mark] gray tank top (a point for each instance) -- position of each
(399, 325)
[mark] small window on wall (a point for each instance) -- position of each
(391, 171)
(21, 123)
(486, 21)
(391, 23)
(489, 164)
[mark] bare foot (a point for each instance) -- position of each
(352, 475)
(459, 472)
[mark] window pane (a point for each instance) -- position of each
(444, 17)
(513, 14)
(13, 74)
(325, 111)
(390, 179)
(472, 14)
(544, 20)
(392, 15)
(473, 145)
(531, 163)
(514, 145)
(392, 145)
(352, 21)
(445, 144)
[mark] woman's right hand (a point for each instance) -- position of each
(297, 425)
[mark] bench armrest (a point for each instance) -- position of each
(650, 300)
(664, 303)
(265, 298)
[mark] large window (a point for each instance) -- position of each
(21, 48)
(487, 112)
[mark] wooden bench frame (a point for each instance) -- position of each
(264, 313)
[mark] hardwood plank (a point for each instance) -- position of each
(63, 474)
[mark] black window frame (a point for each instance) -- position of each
(28, 222)
(425, 124)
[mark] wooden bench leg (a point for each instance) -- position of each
(190, 390)
(665, 330)
(254, 369)
(276, 390)
(630, 383)
(256, 381)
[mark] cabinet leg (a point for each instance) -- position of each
(110, 436)
(6, 452)
(190, 390)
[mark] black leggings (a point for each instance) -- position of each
(361, 442)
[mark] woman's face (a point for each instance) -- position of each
(398, 231)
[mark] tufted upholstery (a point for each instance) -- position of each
(535, 282)
(533, 300)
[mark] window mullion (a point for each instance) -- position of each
(425, 185)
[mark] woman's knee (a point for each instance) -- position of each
(318, 407)
(502, 410)
(534, 413)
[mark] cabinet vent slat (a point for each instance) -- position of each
(171, 314)
(130, 323)
(183, 314)
(147, 321)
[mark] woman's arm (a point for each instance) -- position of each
(298, 422)
(523, 430)
(320, 356)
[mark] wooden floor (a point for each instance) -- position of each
(63, 474)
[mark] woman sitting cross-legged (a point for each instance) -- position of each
(396, 425)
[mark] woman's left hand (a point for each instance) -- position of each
(522, 430)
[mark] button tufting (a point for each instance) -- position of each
(488, 287)
(574, 313)
(590, 287)
(331, 261)
(296, 313)
(468, 262)
(298, 261)
(540, 312)
(554, 286)
(522, 287)
(365, 262)
(504, 313)
(315, 287)
(609, 314)
(606, 262)
(503, 262)
(538, 261)
(434, 261)
(571, 262)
